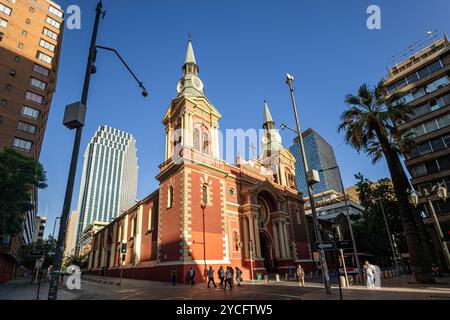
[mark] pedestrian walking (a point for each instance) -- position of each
(221, 274)
(300, 276)
(238, 276)
(232, 275)
(191, 276)
(229, 279)
(49, 272)
(211, 277)
(173, 277)
(370, 272)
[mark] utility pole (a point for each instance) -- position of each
(323, 262)
(53, 287)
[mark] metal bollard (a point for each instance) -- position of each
(277, 277)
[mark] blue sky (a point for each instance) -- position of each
(244, 49)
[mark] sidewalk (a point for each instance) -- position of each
(21, 289)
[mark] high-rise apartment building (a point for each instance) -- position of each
(30, 42)
(422, 77)
(39, 228)
(320, 156)
(109, 178)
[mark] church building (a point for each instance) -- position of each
(207, 212)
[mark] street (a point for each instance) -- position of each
(101, 288)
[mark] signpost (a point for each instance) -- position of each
(38, 267)
(325, 245)
(123, 251)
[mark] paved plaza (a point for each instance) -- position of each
(102, 288)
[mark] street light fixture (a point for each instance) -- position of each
(90, 68)
(394, 254)
(442, 194)
(323, 262)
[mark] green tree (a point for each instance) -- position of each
(369, 127)
(370, 232)
(80, 261)
(19, 176)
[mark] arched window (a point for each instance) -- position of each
(205, 194)
(205, 139)
(170, 197)
(197, 139)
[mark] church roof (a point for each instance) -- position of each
(267, 115)
(190, 56)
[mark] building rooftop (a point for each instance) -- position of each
(416, 53)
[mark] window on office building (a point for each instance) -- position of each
(41, 70)
(22, 144)
(26, 127)
(34, 97)
(38, 84)
(30, 112)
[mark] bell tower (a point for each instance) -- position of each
(279, 159)
(191, 121)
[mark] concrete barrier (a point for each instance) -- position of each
(342, 281)
(277, 277)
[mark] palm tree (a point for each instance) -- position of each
(369, 126)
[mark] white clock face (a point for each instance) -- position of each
(197, 83)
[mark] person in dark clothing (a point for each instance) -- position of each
(173, 277)
(221, 274)
(191, 277)
(229, 279)
(211, 277)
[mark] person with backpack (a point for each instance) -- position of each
(229, 279)
(221, 274)
(238, 276)
(211, 277)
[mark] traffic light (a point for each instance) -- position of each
(123, 248)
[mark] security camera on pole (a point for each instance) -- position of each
(312, 177)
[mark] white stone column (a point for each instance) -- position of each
(275, 238)
(286, 240)
(251, 232)
(137, 237)
(246, 238)
(190, 133)
(256, 228)
(281, 240)
(167, 145)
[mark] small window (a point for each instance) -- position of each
(205, 139)
(1, 119)
(17, 59)
(170, 197)
(24, 33)
(12, 73)
(8, 87)
(197, 139)
(20, 46)
(3, 23)
(150, 219)
(1, 36)
(205, 194)
(231, 192)
(28, 21)
(3, 102)
(31, 9)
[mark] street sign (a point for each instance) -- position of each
(344, 244)
(325, 245)
(50, 253)
(37, 253)
(39, 263)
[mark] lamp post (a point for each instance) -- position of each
(442, 194)
(394, 255)
(203, 206)
(350, 227)
(90, 69)
(323, 262)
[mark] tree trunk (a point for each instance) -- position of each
(416, 237)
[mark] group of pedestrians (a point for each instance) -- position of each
(226, 277)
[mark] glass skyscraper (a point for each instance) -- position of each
(320, 156)
(109, 180)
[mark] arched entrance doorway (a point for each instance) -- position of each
(267, 252)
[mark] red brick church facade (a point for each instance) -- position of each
(207, 211)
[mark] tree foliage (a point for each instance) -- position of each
(370, 232)
(19, 176)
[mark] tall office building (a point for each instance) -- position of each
(30, 42)
(109, 180)
(320, 156)
(422, 77)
